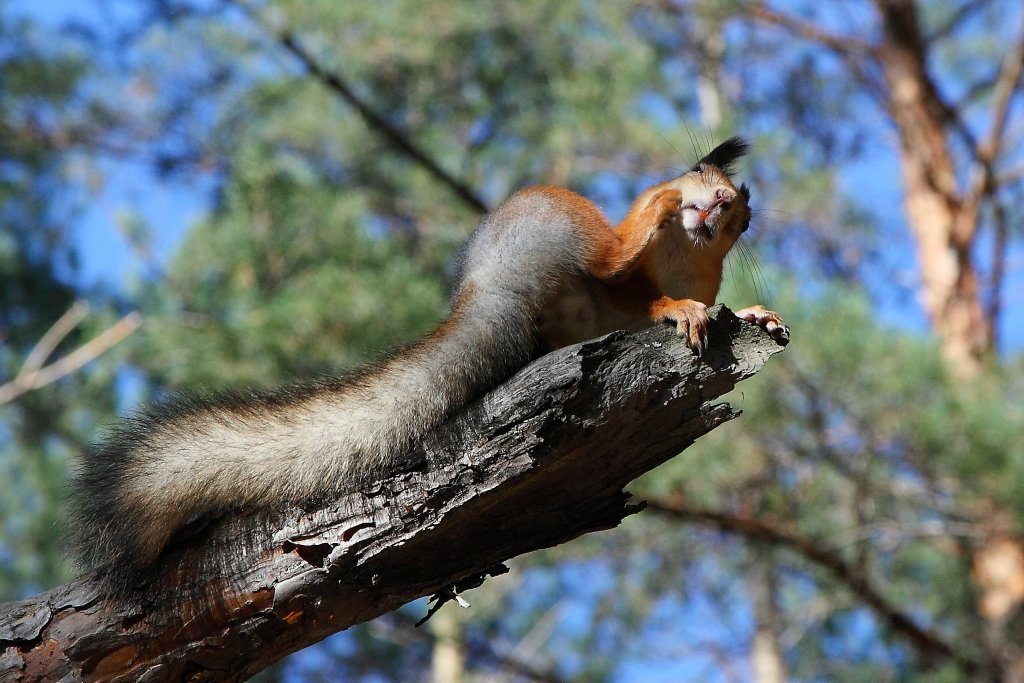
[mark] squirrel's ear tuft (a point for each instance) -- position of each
(726, 154)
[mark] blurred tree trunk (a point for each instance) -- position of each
(711, 50)
(943, 203)
(766, 663)
(944, 223)
(448, 659)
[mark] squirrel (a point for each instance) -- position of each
(544, 270)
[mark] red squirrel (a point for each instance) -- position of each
(545, 270)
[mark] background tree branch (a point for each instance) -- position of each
(34, 375)
(515, 472)
(930, 644)
(394, 136)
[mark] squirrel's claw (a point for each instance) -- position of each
(691, 321)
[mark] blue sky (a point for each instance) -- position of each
(169, 207)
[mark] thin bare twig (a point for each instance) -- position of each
(34, 375)
(988, 149)
(53, 337)
(338, 85)
(1009, 79)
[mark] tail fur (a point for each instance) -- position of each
(190, 457)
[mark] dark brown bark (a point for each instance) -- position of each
(540, 460)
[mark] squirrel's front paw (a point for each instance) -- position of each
(691, 321)
(769, 320)
(667, 206)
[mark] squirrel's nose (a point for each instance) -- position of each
(724, 197)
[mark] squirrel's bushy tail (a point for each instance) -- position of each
(186, 458)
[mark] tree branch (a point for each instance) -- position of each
(395, 137)
(988, 149)
(840, 44)
(956, 18)
(52, 338)
(931, 646)
(538, 461)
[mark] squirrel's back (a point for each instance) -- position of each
(187, 458)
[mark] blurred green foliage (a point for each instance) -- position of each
(41, 431)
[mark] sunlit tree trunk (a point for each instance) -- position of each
(944, 224)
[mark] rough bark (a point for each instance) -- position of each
(540, 460)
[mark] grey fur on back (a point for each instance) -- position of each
(187, 458)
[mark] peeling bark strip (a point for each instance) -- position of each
(540, 460)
